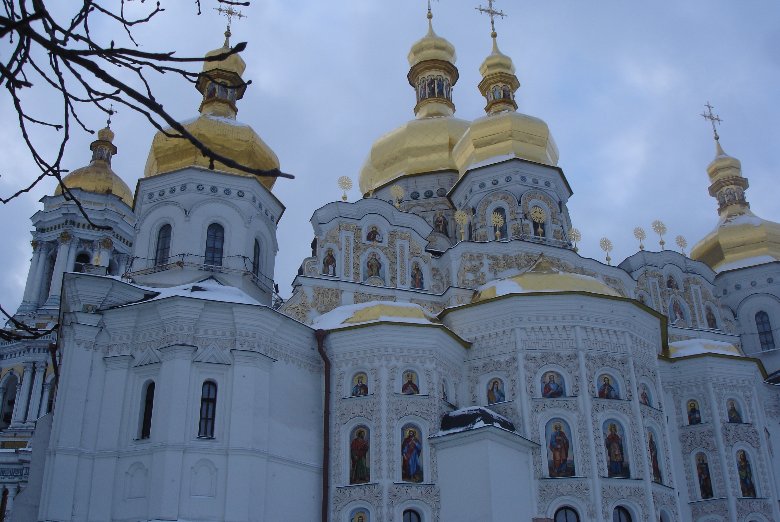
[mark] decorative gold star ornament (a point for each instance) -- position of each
(682, 243)
(345, 184)
(606, 246)
(498, 222)
(640, 234)
(397, 191)
(576, 237)
(660, 229)
(461, 218)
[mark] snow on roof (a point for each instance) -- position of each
(207, 290)
(690, 347)
(748, 261)
(742, 219)
(373, 311)
(472, 418)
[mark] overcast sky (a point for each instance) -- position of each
(621, 85)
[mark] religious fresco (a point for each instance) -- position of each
(374, 235)
(410, 385)
(677, 314)
(359, 456)
(608, 388)
(411, 454)
(733, 412)
(441, 224)
(359, 515)
(712, 321)
(694, 414)
(671, 283)
(746, 484)
(360, 385)
(703, 476)
(644, 395)
(553, 385)
(560, 455)
(373, 267)
(418, 280)
(495, 391)
(615, 445)
(444, 390)
(652, 451)
(329, 263)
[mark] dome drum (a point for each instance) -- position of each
(499, 91)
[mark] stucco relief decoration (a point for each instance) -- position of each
(470, 273)
(326, 299)
(507, 199)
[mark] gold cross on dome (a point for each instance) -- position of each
(492, 13)
(229, 12)
(713, 118)
(111, 112)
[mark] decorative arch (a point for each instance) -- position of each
(702, 473)
(359, 384)
(136, 481)
(559, 442)
(203, 479)
(552, 382)
(570, 502)
(679, 313)
(608, 385)
(410, 383)
(736, 412)
(747, 484)
(413, 452)
(359, 514)
(617, 446)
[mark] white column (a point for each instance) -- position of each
(23, 395)
(45, 390)
(60, 266)
(35, 395)
(29, 298)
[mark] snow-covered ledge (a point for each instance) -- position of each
(483, 446)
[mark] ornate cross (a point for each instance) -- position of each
(229, 12)
(111, 112)
(713, 118)
(492, 13)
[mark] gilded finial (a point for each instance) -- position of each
(461, 218)
(111, 112)
(660, 229)
(682, 243)
(345, 184)
(498, 222)
(576, 237)
(606, 246)
(492, 13)
(397, 191)
(713, 119)
(640, 234)
(229, 13)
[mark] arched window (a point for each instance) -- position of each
(163, 246)
(215, 238)
(566, 514)
(764, 327)
(9, 399)
(621, 514)
(411, 515)
(148, 407)
(81, 261)
(208, 410)
(256, 258)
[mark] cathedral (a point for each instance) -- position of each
(446, 354)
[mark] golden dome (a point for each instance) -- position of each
(216, 127)
(423, 145)
(543, 278)
(431, 47)
(426, 143)
(373, 311)
(503, 132)
(740, 238)
(98, 177)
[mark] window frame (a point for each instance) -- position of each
(256, 258)
(147, 410)
(623, 514)
(215, 245)
(563, 510)
(411, 512)
(766, 338)
(208, 410)
(160, 259)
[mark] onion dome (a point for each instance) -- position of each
(98, 177)
(740, 238)
(424, 144)
(503, 131)
(221, 85)
(542, 277)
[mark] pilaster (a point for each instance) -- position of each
(36, 393)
